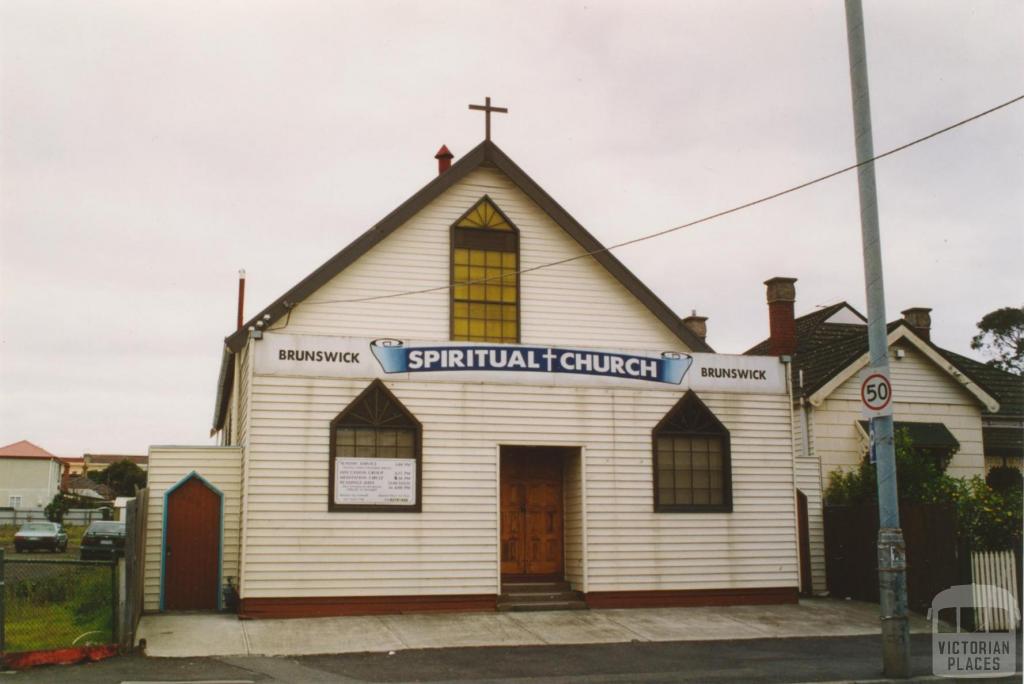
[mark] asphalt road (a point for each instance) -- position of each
(749, 661)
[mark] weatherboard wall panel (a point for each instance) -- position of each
(922, 392)
(221, 466)
(628, 545)
(572, 304)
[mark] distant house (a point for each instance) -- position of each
(942, 399)
(82, 486)
(101, 461)
(29, 476)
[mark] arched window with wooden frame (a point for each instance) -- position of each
(692, 466)
(376, 455)
(485, 275)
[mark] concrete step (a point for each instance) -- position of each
(523, 606)
(521, 596)
(530, 587)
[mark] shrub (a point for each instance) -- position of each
(1005, 479)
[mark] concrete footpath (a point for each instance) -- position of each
(204, 635)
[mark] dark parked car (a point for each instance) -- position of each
(103, 540)
(41, 535)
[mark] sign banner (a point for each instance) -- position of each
(431, 361)
(395, 357)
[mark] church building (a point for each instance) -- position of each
(474, 406)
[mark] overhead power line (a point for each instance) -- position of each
(705, 219)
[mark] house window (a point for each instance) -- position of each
(15, 502)
(375, 462)
(485, 276)
(692, 470)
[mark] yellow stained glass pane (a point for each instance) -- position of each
(508, 330)
(461, 327)
(493, 276)
(461, 274)
(461, 310)
(477, 258)
(477, 328)
(508, 259)
(476, 292)
(494, 293)
(494, 329)
(462, 256)
(484, 215)
(477, 272)
(478, 311)
(508, 294)
(508, 312)
(493, 258)
(461, 291)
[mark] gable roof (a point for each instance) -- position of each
(825, 350)
(484, 154)
(25, 449)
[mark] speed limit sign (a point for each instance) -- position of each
(875, 393)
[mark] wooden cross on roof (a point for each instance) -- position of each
(487, 109)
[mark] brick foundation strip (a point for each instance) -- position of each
(59, 656)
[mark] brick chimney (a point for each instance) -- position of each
(698, 325)
(781, 323)
(920, 319)
(444, 159)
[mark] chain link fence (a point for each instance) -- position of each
(48, 604)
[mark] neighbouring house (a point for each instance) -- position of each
(80, 485)
(939, 398)
(101, 461)
(506, 425)
(1002, 431)
(29, 476)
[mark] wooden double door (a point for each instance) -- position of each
(532, 517)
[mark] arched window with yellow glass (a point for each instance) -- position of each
(485, 276)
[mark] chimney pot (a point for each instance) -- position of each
(781, 294)
(920, 319)
(444, 159)
(697, 325)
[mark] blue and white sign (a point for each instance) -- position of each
(396, 357)
(323, 356)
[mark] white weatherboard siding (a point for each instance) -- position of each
(808, 480)
(221, 466)
(295, 547)
(572, 482)
(922, 393)
(416, 256)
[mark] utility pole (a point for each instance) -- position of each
(892, 577)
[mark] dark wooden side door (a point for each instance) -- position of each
(804, 534)
(192, 547)
(531, 513)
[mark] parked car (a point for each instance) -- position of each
(41, 535)
(102, 540)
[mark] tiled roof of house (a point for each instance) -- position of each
(25, 449)
(824, 349)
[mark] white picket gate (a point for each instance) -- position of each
(995, 569)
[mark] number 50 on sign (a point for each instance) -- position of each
(875, 393)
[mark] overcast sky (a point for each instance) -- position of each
(151, 149)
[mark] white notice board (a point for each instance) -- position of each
(370, 481)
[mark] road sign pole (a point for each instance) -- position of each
(892, 578)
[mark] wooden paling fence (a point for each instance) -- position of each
(134, 555)
(995, 569)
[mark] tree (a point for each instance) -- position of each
(122, 477)
(1002, 338)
